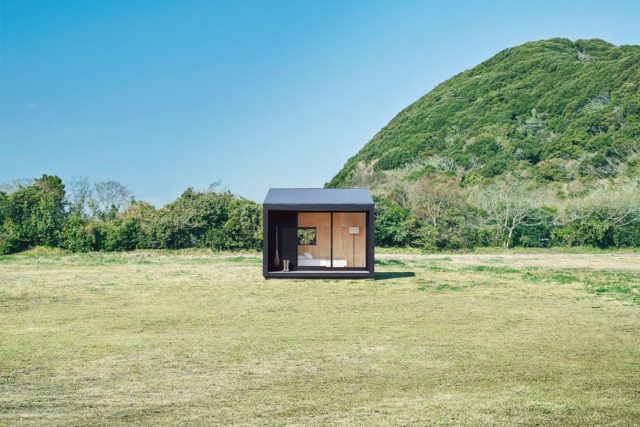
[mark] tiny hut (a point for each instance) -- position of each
(318, 233)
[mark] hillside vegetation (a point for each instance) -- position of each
(539, 145)
(551, 110)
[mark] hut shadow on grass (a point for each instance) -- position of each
(386, 275)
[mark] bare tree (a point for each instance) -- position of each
(583, 57)
(362, 175)
(214, 187)
(509, 205)
(110, 195)
(431, 199)
(436, 161)
(598, 102)
(15, 185)
(79, 194)
(396, 190)
(619, 201)
(217, 187)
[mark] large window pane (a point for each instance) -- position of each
(317, 254)
(315, 244)
(349, 239)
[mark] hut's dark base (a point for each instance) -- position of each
(319, 275)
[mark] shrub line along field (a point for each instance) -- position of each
(151, 337)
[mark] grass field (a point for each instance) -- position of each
(194, 337)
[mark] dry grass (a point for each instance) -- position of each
(609, 261)
(195, 337)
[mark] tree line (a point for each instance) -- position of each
(436, 213)
(105, 217)
(429, 213)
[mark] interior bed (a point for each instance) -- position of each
(306, 260)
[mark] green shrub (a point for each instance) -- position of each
(10, 241)
(77, 235)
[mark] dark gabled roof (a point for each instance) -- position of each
(333, 197)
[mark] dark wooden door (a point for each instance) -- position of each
(285, 224)
(290, 245)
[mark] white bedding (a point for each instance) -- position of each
(320, 262)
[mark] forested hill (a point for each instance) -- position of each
(551, 111)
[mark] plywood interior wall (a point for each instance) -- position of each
(322, 222)
(350, 246)
(345, 246)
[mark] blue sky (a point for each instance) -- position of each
(165, 95)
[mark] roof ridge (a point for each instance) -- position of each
(318, 196)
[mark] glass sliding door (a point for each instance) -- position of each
(349, 239)
(332, 240)
(314, 240)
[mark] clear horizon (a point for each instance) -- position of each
(162, 96)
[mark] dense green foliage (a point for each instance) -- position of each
(553, 118)
(429, 214)
(555, 110)
(398, 225)
(42, 214)
(32, 216)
